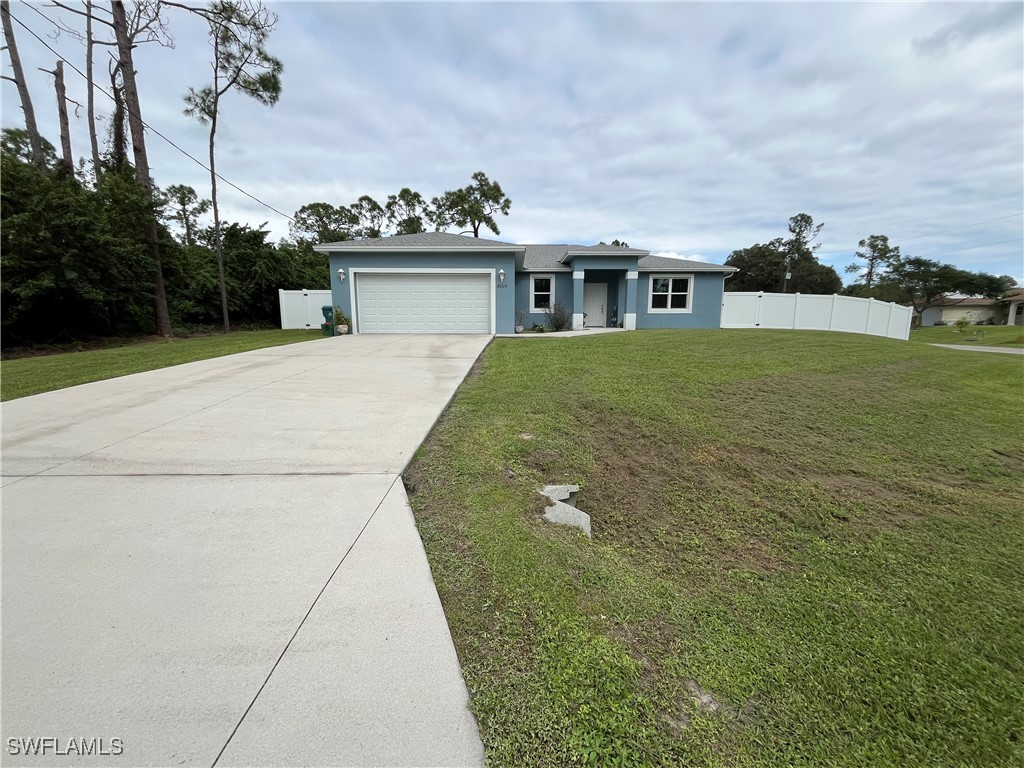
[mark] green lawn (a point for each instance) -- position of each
(979, 335)
(807, 550)
(32, 375)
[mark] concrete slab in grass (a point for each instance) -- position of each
(562, 509)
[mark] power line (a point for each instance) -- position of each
(964, 226)
(938, 232)
(151, 128)
(972, 247)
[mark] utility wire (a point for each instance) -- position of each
(151, 128)
(964, 226)
(972, 247)
(929, 234)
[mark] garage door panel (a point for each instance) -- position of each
(423, 303)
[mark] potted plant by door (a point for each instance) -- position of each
(341, 322)
(520, 317)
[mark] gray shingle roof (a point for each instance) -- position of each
(422, 240)
(545, 257)
(602, 248)
(537, 256)
(669, 264)
(550, 257)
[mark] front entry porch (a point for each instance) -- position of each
(604, 298)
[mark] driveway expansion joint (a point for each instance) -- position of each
(301, 622)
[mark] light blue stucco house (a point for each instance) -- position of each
(437, 282)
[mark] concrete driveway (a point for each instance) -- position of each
(216, 564)
(973, 348)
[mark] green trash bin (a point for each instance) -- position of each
(327, 327)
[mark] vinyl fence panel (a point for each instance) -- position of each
(850, 314)
(815, 313)
(740, 311)
(301, 309)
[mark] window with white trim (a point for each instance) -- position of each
(542, 292)
(670, 293)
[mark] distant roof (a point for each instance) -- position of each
(552, 257)
(966, 301)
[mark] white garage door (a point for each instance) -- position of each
(434, 303)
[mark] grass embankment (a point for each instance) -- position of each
(807, 550)
(42, 373)
(977, 335)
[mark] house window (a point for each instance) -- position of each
(670, 293)
(542, 292)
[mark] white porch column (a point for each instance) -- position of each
(1011, 316)
(629, 317)
(577, 299)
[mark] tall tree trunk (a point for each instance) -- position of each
(118, 153)
(218, 240)
(35, 140)
(90, 100)
(62, 115)
(131, 97)
(187, 221)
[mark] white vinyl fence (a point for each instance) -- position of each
(810, 312)
(301, 309)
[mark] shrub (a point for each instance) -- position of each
(559, 318)
(340, 318)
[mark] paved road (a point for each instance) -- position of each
(973, 348)
(216, 563)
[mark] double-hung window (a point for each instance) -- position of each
(670, 293)
(542, 292)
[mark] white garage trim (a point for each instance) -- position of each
(353, 271)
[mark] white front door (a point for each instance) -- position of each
(595, 304)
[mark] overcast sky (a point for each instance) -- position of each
(692, 129)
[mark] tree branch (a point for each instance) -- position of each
(62, 6)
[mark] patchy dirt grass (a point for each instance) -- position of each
(806, 550)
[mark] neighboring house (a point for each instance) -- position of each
(438, 282)
(1008, 310)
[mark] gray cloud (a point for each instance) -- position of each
(980, 20)
(690, 129)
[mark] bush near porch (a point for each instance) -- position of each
(806, 550)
